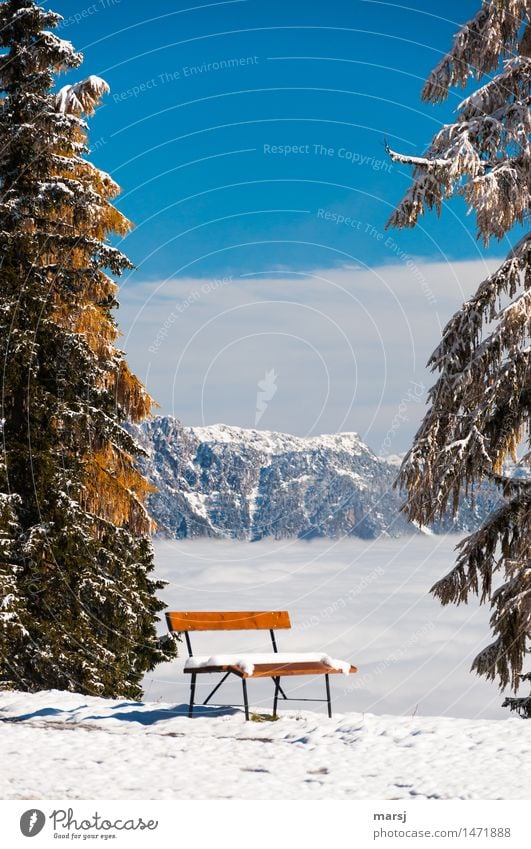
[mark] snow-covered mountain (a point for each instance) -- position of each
(223, 481)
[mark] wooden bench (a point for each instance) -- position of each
(250, 665)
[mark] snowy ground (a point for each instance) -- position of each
(65, 746)
(365, 602)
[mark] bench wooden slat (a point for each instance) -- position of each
(274, 670)
(237, 620)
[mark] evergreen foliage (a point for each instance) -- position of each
(481, 403)
(521, 705)
(78, 603)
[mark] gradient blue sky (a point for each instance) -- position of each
(341, 74)
(210, 199)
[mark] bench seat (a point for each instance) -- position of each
(270, 664)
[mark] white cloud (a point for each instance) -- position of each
(347, 345)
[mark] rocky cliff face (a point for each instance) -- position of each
(223, 481)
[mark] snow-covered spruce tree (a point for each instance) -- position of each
(480, 405)
(78, 604)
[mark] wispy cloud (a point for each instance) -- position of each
(348, 343)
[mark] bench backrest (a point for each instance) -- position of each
(233, 620)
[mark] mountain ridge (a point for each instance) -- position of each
(225, 481)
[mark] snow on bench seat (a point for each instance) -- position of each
(247, 662)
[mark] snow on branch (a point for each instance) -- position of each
(423, 161)
(513, 80)
(82, 97)
(62, 48)
(478, 46)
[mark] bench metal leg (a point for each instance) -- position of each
(328, 699)
(192, 694)
(216, 688)
(245, 701)
(275, 700)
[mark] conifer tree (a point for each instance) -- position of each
(481, 402)
(78, 602)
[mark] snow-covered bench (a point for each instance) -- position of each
(274, 665)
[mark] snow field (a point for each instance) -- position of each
(413, 723)
(62, 745)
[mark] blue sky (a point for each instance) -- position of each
(192, 147)
(248, 138)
